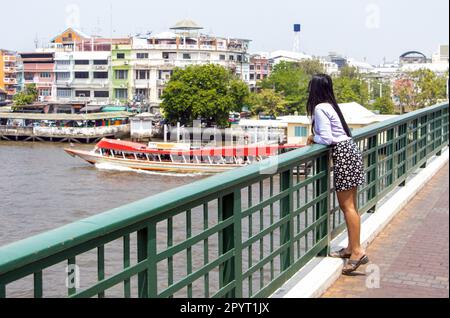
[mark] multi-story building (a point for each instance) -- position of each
(260, 68)
(8, 71)
(82, 76)
(153, 60)
(122, 73)
(39, 69)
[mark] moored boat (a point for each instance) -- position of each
(172, 157)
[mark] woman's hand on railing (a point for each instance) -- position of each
(310, 140)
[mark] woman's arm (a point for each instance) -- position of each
(323, 135)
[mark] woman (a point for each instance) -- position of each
(331, 129)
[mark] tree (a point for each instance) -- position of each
(290, 80)
(312, 67)
(429, 88)
(404, 91)
(269, 102)
(28, 96)
(384, 105)
(208, 92)
(349, 90)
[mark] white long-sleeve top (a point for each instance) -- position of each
(328, 127)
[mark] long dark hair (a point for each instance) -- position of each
(321, 91)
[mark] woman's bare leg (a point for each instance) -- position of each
(348, 204)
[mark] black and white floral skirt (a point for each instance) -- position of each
(348, 166)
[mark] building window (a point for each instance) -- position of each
(142, 56)
(45, 75)
(301, 131)
(82, 93)
(231, 58)
(142, 74)
(186, 56)
(100, 62)
(29, 76)
(64, 92)
(239, 58)
(62, 76)
(141, 93)
(252, 67)
(120, 56)
(160, 93)
(258, 67)
(258, 76)
(165, 55)
(101, 94)
(121, 93)
(81, 62)
(252, 77)
(100, 75)
(63, 62)
(222, 57)
(44, 92)
(121, 74)
(81, 75)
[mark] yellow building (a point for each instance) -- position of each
(8, 72)
(357, 116)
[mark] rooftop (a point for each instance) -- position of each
(186, 25)
(65, 117)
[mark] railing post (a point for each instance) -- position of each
(323, 186)
(287, 229)
(231, 270)
(403, 157)
(373, 173)
(142, 249)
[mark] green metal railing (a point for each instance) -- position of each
(239, 234)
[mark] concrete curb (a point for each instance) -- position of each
(321, 273)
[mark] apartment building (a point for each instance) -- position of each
(8, 72)
(145, 73)
(39, 69)
(82, 76)
(260, 69)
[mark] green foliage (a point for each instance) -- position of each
(208, 92)
(269, 102)
(420, 89)
(429, 88)
(312, 67)
(291, 79)
(351, 89)
(350, 72)
(384, 105)
(28, 96)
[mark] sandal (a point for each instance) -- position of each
(340, 254)
(354, 265)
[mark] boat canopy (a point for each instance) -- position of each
(65, 117)
(231, 151)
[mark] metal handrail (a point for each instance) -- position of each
(308, 218)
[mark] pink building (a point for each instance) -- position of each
(39, 69)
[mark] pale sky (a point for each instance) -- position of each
(363, 29)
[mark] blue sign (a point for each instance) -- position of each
(297, 27)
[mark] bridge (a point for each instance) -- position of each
(244, 233)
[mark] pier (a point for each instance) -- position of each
(251, 247)
(76, 128)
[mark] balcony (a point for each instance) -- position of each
(11, 81)
(10, 70)
(9, 58)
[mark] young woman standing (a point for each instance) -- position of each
(331, 129)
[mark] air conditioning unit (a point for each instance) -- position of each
(126, 63)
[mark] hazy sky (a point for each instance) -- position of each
(371, 29)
